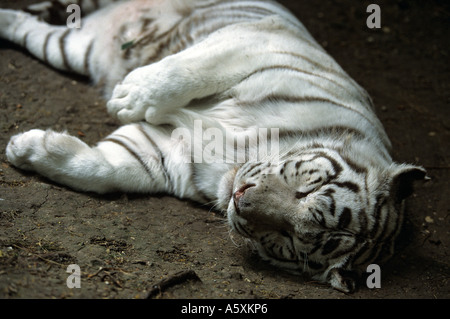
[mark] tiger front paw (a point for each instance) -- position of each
(129, 103)
(135, 99)
(148, 93)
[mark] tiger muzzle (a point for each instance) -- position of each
(238, 195)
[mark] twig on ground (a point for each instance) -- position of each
(171, 281)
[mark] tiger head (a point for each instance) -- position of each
(319, 213)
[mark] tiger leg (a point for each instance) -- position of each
(63, 48)
(134, 158)
(209, 67)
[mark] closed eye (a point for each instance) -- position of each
(300, 195)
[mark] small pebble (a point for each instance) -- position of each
(429, 220)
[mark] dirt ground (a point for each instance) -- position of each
(126, 244)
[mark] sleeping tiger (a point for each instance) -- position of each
(331, 202)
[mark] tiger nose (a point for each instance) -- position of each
(239, 193)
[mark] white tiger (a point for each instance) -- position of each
(330, 205)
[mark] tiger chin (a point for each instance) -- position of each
(332, 201)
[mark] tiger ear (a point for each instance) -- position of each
(403, 178)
